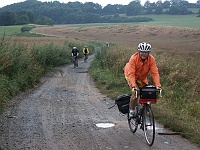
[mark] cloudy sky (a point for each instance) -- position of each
(101, 2)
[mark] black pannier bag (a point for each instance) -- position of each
(122, 102)
(148, 92)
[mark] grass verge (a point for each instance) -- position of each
(23, 65)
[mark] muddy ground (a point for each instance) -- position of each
(63, 112)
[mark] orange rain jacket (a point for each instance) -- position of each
(136, 69)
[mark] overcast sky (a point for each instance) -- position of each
(101, 2)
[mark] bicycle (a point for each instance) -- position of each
(86, 57)
(75, 61)
(144, 114)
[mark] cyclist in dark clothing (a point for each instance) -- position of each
(75, 54)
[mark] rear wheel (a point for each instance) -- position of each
(148, 124)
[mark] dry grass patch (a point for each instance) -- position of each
(167, 38)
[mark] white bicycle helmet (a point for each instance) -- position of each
(74, 47)
(144, 47)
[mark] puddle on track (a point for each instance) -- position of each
(105, 125)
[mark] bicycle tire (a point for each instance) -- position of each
(148, 124)
(75, 63)
(133, 123)
(86, 58)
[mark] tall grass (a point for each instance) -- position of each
(179, 109)
(22, 66)
(180, 77)
(18, 69)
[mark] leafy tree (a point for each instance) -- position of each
(7, 18)
(113, 9)
(159, 10)
(166, 4)
(92, 17)
(198, 2)
(147, 4)
(184, 10)
(134, 8)
(174, 10)
(91, 7)
(25, 17)
(198, 13)
(22, 19)
(34, 11)
(148, 7)
(159, 3)
(46, 21)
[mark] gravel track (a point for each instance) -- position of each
(62, 113)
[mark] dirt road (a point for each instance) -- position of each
(62, 113)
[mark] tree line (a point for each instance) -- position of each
(34, 11)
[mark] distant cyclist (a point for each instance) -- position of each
(136, 71)
(107, 44)
(75, 54)
(85, 52)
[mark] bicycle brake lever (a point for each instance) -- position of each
(160, 92)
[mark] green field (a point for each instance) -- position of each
(10, 30)
(191, 21)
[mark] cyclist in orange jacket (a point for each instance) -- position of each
(137, 69)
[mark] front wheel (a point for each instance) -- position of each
(75, 62)
(148, 124)
(86, 57)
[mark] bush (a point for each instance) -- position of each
(27, 28)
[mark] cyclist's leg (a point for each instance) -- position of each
(133, 101)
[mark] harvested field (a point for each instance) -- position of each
(162, 38)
